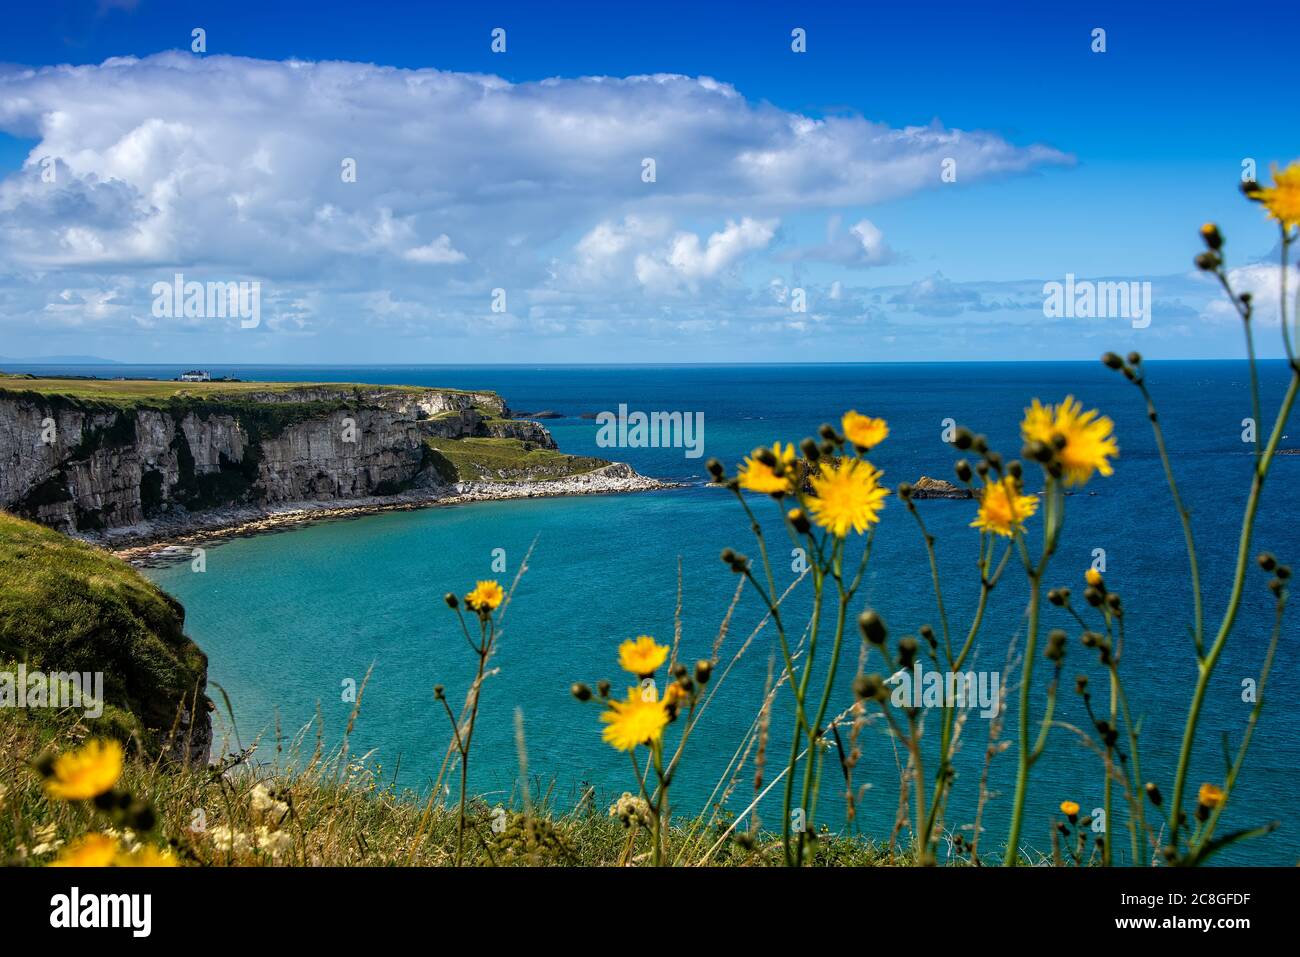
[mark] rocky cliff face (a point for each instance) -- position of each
(87, 465)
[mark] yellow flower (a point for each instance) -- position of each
(1282, 199)
(1088, 443)
(486, 596)
(864, 431)
(104, 850)
(642, 656)
(1070, 809)
(638, 720)
(757, 477)
(92, 850)
(1093, 578)
(147, 856)
(1003, 509)
(848, 496)
(1211, 795)
(86, 773)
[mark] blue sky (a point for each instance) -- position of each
(776, 172)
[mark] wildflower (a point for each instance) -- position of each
(147, 855)
(86, 773)
(641, 656)
(638, 720)
(1083, 440)
(1070, 809)
(760, 476)
(273, 842)
(848, 496)
(1056, 645)
(1003, 509)
(1211, 795)
(674, 694)
(907, 649)
(629, 808)
(1282, 199)
(47, 840)
(864, 431)
(798, 520)
(1093, 578)
(264, 807)
(872, 627)
(91, 850)
(227, 839)
(485, 597)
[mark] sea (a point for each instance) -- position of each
(290, 621)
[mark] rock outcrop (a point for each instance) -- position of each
(926, 487)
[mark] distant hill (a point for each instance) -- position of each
(60, 361)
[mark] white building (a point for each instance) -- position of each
(196, 375)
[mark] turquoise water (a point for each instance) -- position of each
(286, 618)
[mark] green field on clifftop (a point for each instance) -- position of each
(128, 392)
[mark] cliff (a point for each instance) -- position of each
(91, 455)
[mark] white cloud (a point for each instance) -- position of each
(860, 246)
(1264, 283)
(686, 262)
(230, 168)
(438, 253)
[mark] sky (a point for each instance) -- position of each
(669, 182)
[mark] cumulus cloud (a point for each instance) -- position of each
(861, 246)
(1263, 282)
(238, 168)
(437, 253)
(687, 261)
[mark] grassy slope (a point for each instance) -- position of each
(66, 606)
(506, 460)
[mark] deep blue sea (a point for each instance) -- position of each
(285, 618)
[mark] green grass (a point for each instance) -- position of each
(130, 392)
(67, 606)
(341, 812)
(505, 460)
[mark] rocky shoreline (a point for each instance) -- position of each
(158, 542)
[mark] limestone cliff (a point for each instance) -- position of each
(83, 462)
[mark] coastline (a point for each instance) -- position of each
(157, 541)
